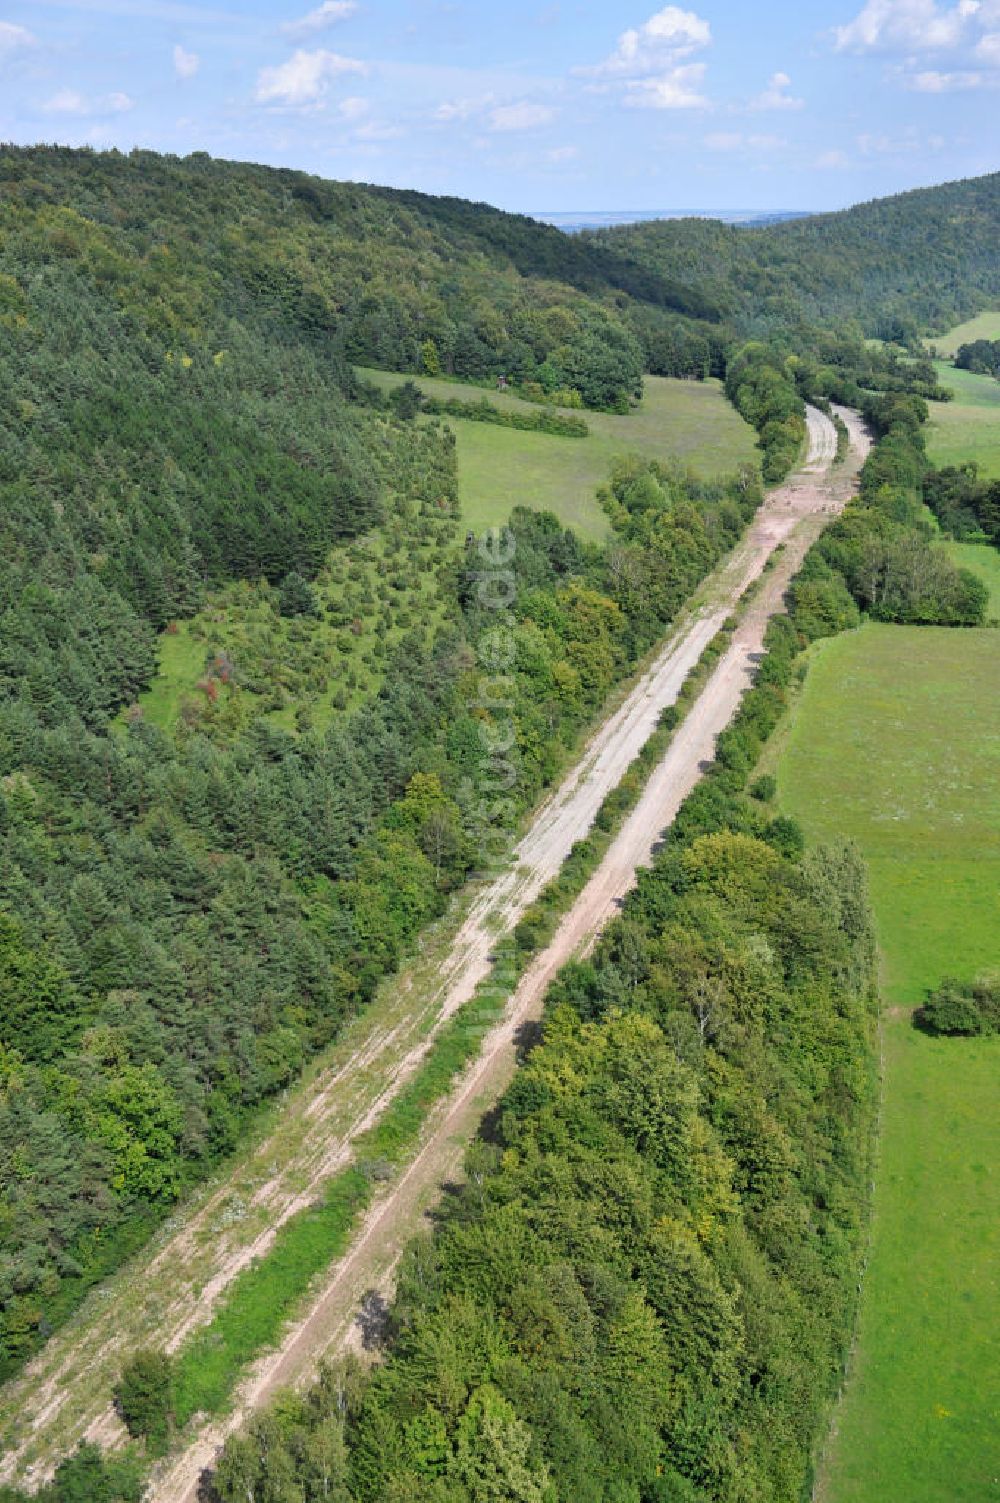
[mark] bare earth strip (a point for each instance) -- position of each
(172, 1289)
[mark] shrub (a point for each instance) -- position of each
(144, 1395)
(958, 1010)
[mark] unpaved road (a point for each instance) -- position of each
(792, 516)
(822, 442)
(172, 1289)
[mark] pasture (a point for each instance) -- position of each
(983, 326)
(500, 468)
(895, 741)
(984, 561)
(967, 428)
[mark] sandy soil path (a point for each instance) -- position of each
(173, 1288)
(336, 1318)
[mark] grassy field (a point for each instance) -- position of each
(984, 561)
(896, 742)
(983, 326)
(969, 427)
(500, 468)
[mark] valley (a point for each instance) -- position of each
(499, 846)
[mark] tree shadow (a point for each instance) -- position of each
(373, 1321)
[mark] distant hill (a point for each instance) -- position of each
(597, 219)
(917, 262)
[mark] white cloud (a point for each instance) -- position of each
(933, 82)
(776, 95)
(66, 102)
(560, 154)
(650, 62)
(69, 102)
(523, 116)
(461, 109)
(736, 141)
(12, 37)
(186, 64)
(657, 45)
(914, 25)
(943, 48)
(327, 14)
(305, 79)
(832, 161)
(377, 130)
(677, 90)
(353, 108)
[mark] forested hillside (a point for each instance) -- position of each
(190, 904)
(892, 269)
(378, 277)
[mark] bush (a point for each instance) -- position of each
(144, 1395)
(958, 1010)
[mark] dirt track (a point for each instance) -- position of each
(173, 1290)
(793, 516)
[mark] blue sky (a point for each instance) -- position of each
(531, 104)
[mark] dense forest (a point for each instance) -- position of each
(453, 287)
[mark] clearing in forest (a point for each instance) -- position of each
(896, 742)
(983, 326)
(499, 468)
(967, 428)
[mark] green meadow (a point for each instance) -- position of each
(500, 468)
(967, 428)
(983, 326)
(984, 561)
(895, 741)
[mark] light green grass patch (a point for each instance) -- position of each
(896, 741)
(982, 560)
(918, 1422)
(983, 326)
(181, 663)
(500, 468)
(969, 427)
